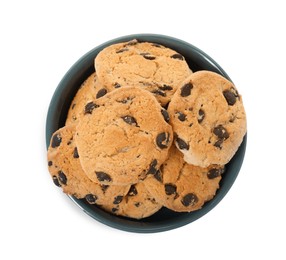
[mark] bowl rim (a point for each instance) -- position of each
(107, 218)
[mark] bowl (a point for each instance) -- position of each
(164, 219)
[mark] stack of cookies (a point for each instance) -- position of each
(145, 132)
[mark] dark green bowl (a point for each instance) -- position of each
(60, 103)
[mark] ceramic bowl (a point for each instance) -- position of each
(164, 219)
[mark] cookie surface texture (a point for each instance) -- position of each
(89, 90)
(208, 119)
(182, 187)
(123, 136)
(150, 66)
(66, 171)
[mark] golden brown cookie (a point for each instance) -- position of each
(89, 90)
(137, 203)
(182, 187)
(122, 136)
(66, 171)
(208, 119)
(150, 66)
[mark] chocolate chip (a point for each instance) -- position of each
(181, 116)
(89, 107)
(75, 153)
(162, 140)
(50, 163)
(214, 173)
(201, 115)
(104, 187)
(62, 177)
(158, 176)
(165, 115)
(56, 181)
(152, 168)
(117, 85)
(230, 97)
(102, 176)
(101, 93)
(177, 56)
(73, 105)
(221, 132)
(152, 200)
(125, 101)
(122, 50)
(159, 92)
(218, 143)
(182, 144)
(148, 56)
(186, 89)
(132, 191)
(129, 120)
(137, 204)
(56, 140)
(189, 200)
(113, 210)
(118, 199)
(165, 87)
(90, 198)
(170, 189)
(222, 135)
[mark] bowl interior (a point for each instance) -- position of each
(164, 219)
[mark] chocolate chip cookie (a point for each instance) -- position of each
(150, 66)
(123, 136)
(89, 90)
(182, 187)
(208, 119)
(137, 203)
(66, 171)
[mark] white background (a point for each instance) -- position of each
(39, 42)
